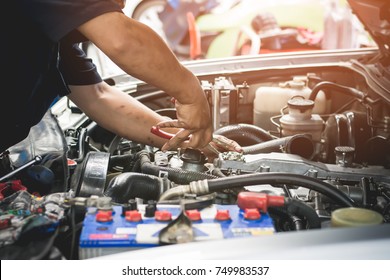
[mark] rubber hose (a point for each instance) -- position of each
(244, 134)
(216, 185)
(299, 144)
(279, 213)
(137, 166)
(297, 222)
(299, 208)
(329, 85)
(121, 160)
(82, 140)
(131, 185)
(177, 175)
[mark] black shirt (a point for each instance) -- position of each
(40, 57)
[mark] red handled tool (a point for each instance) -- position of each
(163, 134)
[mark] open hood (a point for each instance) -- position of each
(375, 16)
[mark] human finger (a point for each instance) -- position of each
(171, 123)
(224, 143)
(178, 140)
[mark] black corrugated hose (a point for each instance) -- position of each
(176, 175)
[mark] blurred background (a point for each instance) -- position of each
(209, 29)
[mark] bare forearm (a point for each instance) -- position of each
(118, 112)
(140, 52)
(123, 115)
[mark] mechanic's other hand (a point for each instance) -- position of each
(220, 144)
(223, 144)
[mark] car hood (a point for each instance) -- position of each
(375, 16)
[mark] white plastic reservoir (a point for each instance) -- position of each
(269, 100)
(300, 119)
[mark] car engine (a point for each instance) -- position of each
(315, 138)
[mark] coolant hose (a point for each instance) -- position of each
(244, 134)
(277, 178)
(329, 85)
(177, 175)
(131, 185)
(299, 144)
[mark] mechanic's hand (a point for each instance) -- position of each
(195, 125)
(223, 144)
(220, 144)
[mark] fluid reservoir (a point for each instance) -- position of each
(355, 217)
(300, 119)
(269, 100)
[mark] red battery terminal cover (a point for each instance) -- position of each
(260, 201)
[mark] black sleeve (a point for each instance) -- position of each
(56, 18)
(76, 68)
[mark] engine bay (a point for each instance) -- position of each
(316, 149)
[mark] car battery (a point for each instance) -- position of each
(110, 232)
